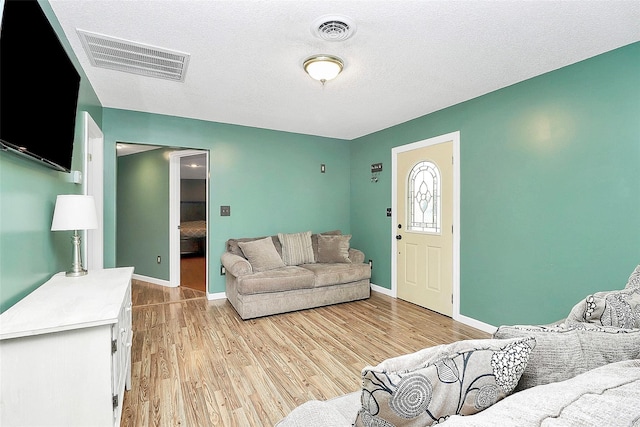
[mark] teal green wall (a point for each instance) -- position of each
(29, 252)
(550, 189)
(271, 179)
(143, 213)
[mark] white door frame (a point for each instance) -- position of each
(174, 215)
(93, 185)
(455, 138)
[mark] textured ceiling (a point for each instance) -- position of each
(406, 59)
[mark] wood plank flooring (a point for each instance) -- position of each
(196, 363)
(193, 271)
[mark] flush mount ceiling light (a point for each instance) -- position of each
(323, 67)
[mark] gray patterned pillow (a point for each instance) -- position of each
(612, 308)
(261, 254)
(634, 279)
(564, 351)
(297, 248)
(425, 387)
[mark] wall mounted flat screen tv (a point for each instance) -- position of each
(38, 87)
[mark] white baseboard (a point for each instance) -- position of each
(153, 280)
(217, 295)
(469, 321)
(382, 290)
(484, 327)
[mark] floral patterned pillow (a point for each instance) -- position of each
(612, 308)
(634, 279)
(426, 387)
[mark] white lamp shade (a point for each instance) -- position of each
(323, 67)
(74, 212)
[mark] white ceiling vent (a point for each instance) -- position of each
(333, 28)
(131, 57)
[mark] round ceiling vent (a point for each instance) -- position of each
(333, 28)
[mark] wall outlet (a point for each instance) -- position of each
(225, 210)
(223, 270)
(371, 263)
(159, 259)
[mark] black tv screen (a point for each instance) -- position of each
(38, 87)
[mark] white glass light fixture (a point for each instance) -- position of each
(323, 67)
(75, 212)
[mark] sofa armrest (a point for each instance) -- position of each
(356, 256)
(235, 264)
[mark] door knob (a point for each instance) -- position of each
(398, 237)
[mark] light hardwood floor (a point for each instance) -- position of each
(196, 363)
(192, 272)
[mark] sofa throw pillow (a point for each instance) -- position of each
(564, 351)
(426, 387)
(333, 249)
(261, 254)
(634, 279)
(314, 240)
(612, 308)
(296, 248)
(234, 247)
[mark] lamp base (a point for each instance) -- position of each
(72, 273)
(76, 266)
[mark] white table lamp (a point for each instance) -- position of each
(75, 212)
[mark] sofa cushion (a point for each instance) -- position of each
(425, 387)
(562, 352)
(605, 396)
(337, 412)
(261, 254)
(333, 274)
(634, 279)
(280, 279)
(296, 248)
(619, 308)
(314, 413)
(334, 249)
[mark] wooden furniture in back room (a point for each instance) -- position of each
(65, 352)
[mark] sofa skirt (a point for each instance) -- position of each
(265, 304)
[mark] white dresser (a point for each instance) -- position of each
(65, 352)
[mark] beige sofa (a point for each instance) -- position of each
(265, 276)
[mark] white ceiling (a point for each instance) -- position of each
(406, 59)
